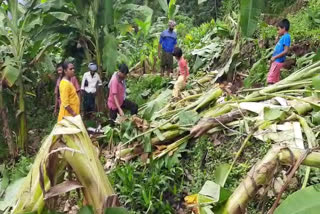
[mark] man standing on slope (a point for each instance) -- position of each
(168, 41)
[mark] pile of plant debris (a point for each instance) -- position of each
(286, 114)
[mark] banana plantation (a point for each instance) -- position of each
(160, 106)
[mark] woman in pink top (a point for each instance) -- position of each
(73, 80)
(183, 72)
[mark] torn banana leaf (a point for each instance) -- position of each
(302, 107)
(289, 134)
(68, 144)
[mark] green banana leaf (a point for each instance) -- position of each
(250, 11)
(301, 202)
(10, 72)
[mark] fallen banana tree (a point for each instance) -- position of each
(263, 172)
(272, 114)
(298, 79)
(213, 109)
(67, 145)
(261, 176)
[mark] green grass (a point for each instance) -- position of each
(302, 26)
(152, 188)
(159, 189)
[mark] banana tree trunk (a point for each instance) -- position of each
(21, 116)
(262, 173)
(205, 124)
(6, 129)
(68, 143)
(101, 106)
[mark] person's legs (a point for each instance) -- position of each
(170, 63)
(131, 106)
(178, 86)
(85, 102)
(163, 62)
(91, 102)
(274, 73)
(112, 116)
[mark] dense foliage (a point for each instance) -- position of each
(36, 35)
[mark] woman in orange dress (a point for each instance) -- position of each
(70, 102)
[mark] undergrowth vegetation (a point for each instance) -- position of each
(142, 88)
(305, 23)
(151, 188)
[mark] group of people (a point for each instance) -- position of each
(68, 92)
(168, 49)
(90, 81)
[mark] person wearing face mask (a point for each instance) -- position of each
(90, 82)
(74, 81)
(117, 100)
(70, 101)
(167, 43)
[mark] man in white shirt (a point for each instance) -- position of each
(90, 81)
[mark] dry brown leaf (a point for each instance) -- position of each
(144, 157)
(62, 188)
(140, 123)
(161, 147)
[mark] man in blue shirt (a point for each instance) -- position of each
(168, 41)
(280, 52)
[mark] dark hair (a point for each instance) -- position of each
(284, 23)
(59, 65)
(177, 52)
(65, 66)
(123, 68)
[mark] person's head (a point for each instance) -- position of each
(59, 69)
(283, 27)
(92, 67)
(68, 69)
(172, 24)
(123, 71)
(177, 53)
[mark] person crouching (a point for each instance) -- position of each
(183, 73)
(117, 95)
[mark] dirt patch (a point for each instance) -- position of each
(301, 48)
(289, 63)
(274, 19)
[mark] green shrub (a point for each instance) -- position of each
(267, 32)
(21, 168)
(142, 88)
(304, 24)
(149, 188)
(277, 6)
(258, 75)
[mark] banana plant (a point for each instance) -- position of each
(250, 11)
(93, 20)
(171, 9)
(11, 31)
(21, 24)
(98, 22)
(100, 27)
(4, 117)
